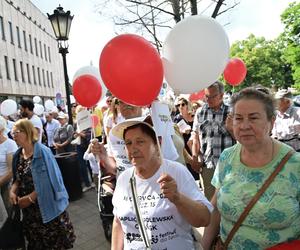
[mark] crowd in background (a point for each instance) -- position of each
(228, 151)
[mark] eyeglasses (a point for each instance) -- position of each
(108, 101)
(181, 104)
(211, 97)
(14, 133)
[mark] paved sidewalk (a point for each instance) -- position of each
(85, 216)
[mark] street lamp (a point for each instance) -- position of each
(61, 24)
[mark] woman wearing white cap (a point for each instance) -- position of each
(168, 202)
(7, 148)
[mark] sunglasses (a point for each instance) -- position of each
(109, 101)
(181, 104)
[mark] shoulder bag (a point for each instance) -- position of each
(219, 245)
(11, 233)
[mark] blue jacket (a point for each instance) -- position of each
(48, 183)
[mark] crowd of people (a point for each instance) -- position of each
(224, 155)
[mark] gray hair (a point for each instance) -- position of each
(218, 85)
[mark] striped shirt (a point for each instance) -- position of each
(213, 136)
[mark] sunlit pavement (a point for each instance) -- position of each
(85, 216)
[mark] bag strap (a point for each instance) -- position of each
(139, 218)
(256, 197)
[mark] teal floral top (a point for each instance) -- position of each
(275, 218)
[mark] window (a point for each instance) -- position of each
(15, 69)
(48, 81)
(2, 28)
(28, 73)
(33, 73)
(44, 79)
(36, 47)
(51, 76)
(45, 51)
(22, 71)
(7, 67)
(25, 42)
(11, 33)
(49, 54)
(39, 76)
(18, 36)
(30, 43)
(41, 50)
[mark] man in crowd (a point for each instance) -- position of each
(212, 134)
(26, 111)
(287, 124)
(50, 127)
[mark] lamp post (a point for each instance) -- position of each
(61, 24)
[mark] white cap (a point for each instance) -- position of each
(283, 93)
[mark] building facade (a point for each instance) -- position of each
(30, 64)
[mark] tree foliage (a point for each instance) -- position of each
(264, 60)
(291, 37)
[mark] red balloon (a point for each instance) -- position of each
(87, 90)
(131, 69)
(95, 120)
(197, 95)
(235, 71)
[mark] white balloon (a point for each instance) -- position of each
(195, 54)
(49, 104)
(36, 99)
(8, 107)
(38, 109)
(91, 70)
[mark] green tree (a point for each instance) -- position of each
(291, 37)
(264, 61)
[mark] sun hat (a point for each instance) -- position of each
(62, 115)
(118, 130)
(283, 93)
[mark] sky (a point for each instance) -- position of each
(90, 32)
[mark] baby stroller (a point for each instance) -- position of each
(105, 206)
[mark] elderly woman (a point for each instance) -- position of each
(64, 135)
(39, 191)
(241, 172)
(168, 198)
(7, 148)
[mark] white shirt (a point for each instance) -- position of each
(166, 228)
(7, 147)
(287, 127)
(116, 149)
(50, 129)
(37, 123)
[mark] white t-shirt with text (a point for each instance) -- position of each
(166, 228)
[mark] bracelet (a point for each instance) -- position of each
(31, 200)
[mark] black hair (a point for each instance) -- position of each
(145, 129)
(27, 104)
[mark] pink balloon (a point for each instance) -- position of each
(95, 120)
(235, 71)
(131, 69)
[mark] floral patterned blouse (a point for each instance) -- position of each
(275, 218)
